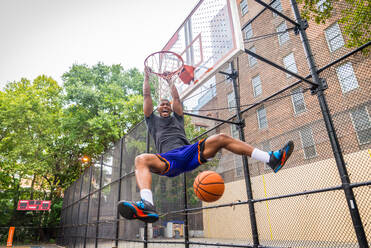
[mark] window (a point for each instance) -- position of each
(231, 101)
(248, 32)
(321, 5)
(209, 92)
(307, 141)
(266, 146)
(277, 6)
(298, 100)
(334, 38)
(262, 118)
(257, 86)
(243, 6)
(283, 37)
(347, 78)
(252, 59)
(289, 62)
(362, 124)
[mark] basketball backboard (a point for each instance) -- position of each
(208, 38)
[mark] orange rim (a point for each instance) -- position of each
(164, 64)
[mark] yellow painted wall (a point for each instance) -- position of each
(316, 217)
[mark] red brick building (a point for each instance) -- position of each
(294, 114)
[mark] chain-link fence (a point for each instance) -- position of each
(321, 198)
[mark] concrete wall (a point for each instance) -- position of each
(318, 217)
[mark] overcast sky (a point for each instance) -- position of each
(48, 36)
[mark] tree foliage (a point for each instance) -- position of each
(103, 102)
(355, 16)
(29, 132)
(46, 128)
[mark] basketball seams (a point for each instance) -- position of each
(210, 192)
(211, 183)
(198, 187)
(209, 189)
(199, 180)
(210, 173)
(197, 191)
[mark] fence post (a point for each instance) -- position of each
(145, 244)
(88, 208)
(349, 195)
(119, 194)
(186, 233)
(78, 210)
(254, 227)
(70, 240)
(63, 235)
(99, 199)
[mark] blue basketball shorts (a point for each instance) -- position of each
(182, 159)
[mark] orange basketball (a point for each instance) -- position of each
(208, 186)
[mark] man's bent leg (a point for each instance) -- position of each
(144, 209)
(216, 142)
(144, 164)
(275, 159)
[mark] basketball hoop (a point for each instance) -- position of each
(187, 74)
(164, 64)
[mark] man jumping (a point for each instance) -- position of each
(176, 155)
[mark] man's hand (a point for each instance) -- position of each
(147, 71)
(169, 80)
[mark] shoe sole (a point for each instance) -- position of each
(286, 155)
(129, 211)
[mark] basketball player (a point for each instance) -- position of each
(176, 155)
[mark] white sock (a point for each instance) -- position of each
(146, 194)
(260, 155)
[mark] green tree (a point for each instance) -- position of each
(355, 16)
(45, 129)
(29, 134)
(102, 104)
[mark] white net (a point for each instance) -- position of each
(165, 65)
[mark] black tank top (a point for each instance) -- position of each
(167, 132)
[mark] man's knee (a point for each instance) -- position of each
(218, 141)
(222, 138)
(141, 161)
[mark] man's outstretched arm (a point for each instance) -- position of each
(177, 105)
(147, 99)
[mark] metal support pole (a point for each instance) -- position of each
(72, 206)
(78, 209)
(145, 244)
(119, 194)
(349, 195)
(268, 6)
(99, 199)
(254, 227)
(186, 234)
(256, 16)
(87, 211)
(280, 67)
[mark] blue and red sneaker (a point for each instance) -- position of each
(141, 210)
(278, 158)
